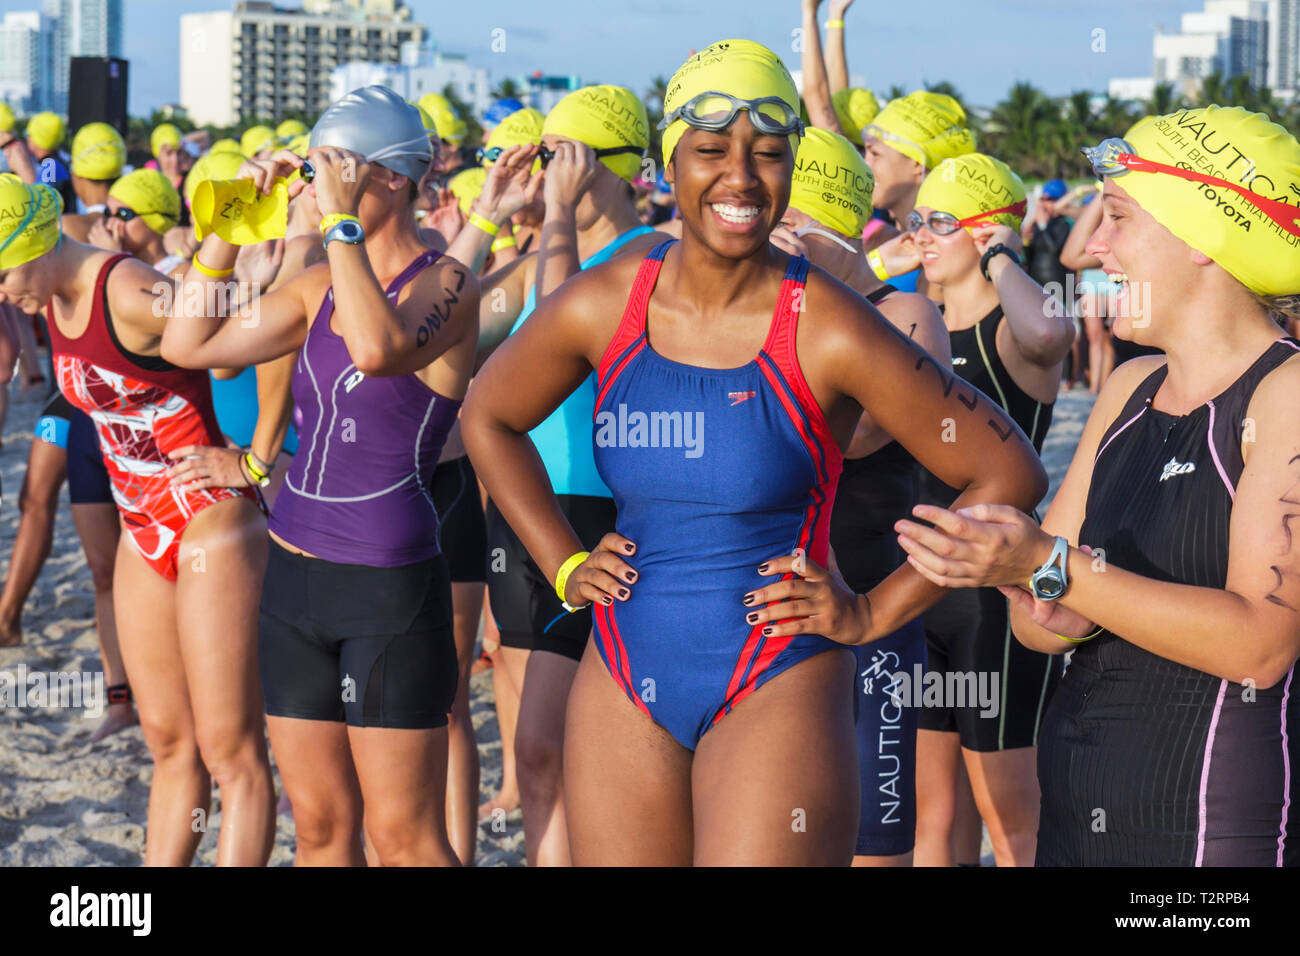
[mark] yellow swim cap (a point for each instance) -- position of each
(924, 126)
(164, 134)
(29, 220)
(603, 117)
(212, 165)
(1243, 148)
(446, 121)
(466, 186)
(855, 109)
(98, 152)
(256, 139)
(832, 183)
(225, 146)
(521, 128)
(46, 130)
(236, 211)
(973, 184)
(291, 128)
(151, 196)
(7, 120)
(740, 68)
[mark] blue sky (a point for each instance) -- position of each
(982, 46)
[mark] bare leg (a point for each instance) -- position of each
(510, 663)
(1005, 785)
(403, 776)
(145, 605)
(937, 756)
(99, 529)
(47, 466)
(222, 562)
(315, 762)
(462, 748)
(627, 782)
(539, 749)
(968, 828)
(1096, 331)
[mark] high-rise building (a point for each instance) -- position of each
(422, 70)
(1284, 46)
(267, 62)
(84, 28)
(1229, 37)
(27, 61)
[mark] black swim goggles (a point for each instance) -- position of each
(715, 111)
(126, 214)
(546, 154)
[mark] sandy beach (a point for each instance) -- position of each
(65, 801)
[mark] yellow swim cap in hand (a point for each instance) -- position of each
(29, 220)
(236, 211)
(98, 152)
(46, 130)
(832, 183)
(971, 185)
(603, 117)
(924, 126)
(151, 196)
(740, 68)
(855, 109)
(1248, 150)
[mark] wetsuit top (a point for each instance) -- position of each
(874, 492)
(563, 440)
(358, 489)
(1044, 253)
(235, 400)
(714, 472)
(975, 358)
(1191, 769)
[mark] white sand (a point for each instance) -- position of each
(67, 802)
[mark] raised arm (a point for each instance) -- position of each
(1043, 333)
(837, 61)
(1075, 255)
(816, 89)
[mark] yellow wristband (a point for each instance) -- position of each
(1080, 640)
(877, 265)
(212, 273)
(333, 219)
(487, 225)
(834, 24)
(505, 242)
(562, 576)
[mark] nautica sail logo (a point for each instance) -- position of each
(1175, 467)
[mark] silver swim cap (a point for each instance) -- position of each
(381, 126)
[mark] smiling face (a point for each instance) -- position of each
(945, 258)
(732, 186)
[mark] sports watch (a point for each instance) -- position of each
(346, 230)
(999, 250)
(1051, 581)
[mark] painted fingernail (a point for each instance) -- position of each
(629, 548)
(762, 569)
(752, 617)
(749, 599)
(767, 632)
(623, 592)
(607, 599)
(631, 575)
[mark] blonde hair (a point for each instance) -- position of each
(1283, 309)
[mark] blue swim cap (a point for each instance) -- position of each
(500, 110)
(663, 185)
(1054, 189)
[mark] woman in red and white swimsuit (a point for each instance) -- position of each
(189, 567)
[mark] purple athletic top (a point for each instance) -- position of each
(358, 489)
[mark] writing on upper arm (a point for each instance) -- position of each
(949, 381)
(441, 312)
(1283, 571)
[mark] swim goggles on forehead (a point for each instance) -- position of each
(715, 111)
(873, 131)
(1115, 157)
(945, 223)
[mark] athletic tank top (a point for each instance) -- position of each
(563, 440)
(874, 492)
(975, 358)
(143, 406)
(1193, 770)
(235, 402)
(713, 471)
(358, 489)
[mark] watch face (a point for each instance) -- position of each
(350, 231)
(1048, 585)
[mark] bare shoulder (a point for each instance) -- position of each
(838, 314)
(1278, 392)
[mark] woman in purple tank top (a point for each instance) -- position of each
(357, 657)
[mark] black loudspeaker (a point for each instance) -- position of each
(97, 92)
